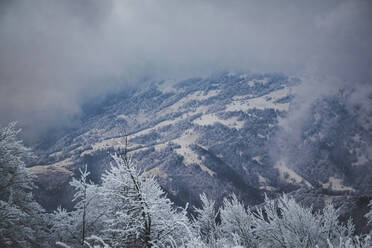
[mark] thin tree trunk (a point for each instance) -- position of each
(84, 216)
(146, 216)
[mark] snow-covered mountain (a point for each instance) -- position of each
(218, 135)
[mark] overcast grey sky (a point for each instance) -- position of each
(54, 55)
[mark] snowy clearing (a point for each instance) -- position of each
(190, 157)
(289, 175)
(155, 172)
(211, 119)
(242, 103)
(336, 184)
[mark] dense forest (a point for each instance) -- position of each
(130, 209)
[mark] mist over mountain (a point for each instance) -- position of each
(191, 114)
(56, 56)
(227, 133)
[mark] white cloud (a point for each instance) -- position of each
(56, 55)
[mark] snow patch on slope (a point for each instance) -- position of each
(58, 166)
(258, 159)
(155, 172)
(167, 86)
(211, 119)
(244, 103)
(190, 157)
(336, 184)
(197, 96)
(290, 175)
(263, 183)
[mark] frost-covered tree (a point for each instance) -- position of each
(127, 210)
(21, 217)
(88, 205)
(205, 222)
(285, 223)
(369, 214)
(89, 242)
(139, 214)
(237, 223)
(277, 223)
(235, 228)
(352, 242)
(86, 219)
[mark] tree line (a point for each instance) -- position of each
(129, 209)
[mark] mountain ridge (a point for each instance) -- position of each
(213, 135)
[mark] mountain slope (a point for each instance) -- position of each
(217, 135)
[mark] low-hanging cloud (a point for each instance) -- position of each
(55, 55)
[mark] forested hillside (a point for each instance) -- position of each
(223, 134)
(129, 209)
